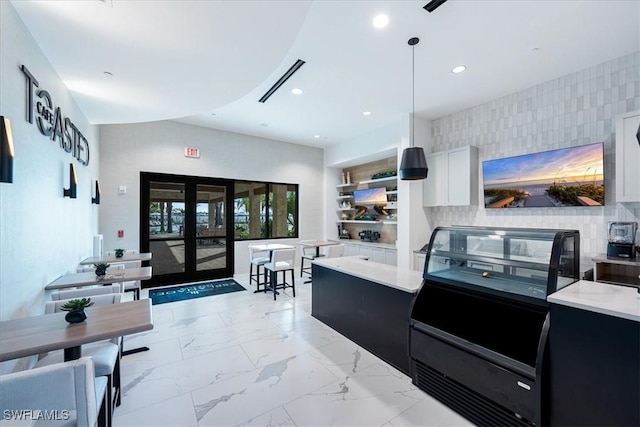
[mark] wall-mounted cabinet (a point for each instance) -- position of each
(628, 157)
(453, 178)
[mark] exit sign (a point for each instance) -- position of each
(192, 152)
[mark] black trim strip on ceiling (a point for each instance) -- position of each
(299, 63)
(433, 5)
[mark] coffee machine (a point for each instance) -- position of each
(622, 239)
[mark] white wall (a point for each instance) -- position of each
(126, 150)
(42, 234)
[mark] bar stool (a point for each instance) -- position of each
(258, 258)
(282, 260)
(308, 253)
(335, 251)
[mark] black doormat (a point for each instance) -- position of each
(185, 292)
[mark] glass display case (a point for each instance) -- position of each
(479, 322)
(526, 263)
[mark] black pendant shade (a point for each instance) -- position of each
(6, 151)
(414, 164)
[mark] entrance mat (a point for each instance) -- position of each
(197, 290)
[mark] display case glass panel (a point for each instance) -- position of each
(531, 263)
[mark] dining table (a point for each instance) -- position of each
(76, 280)
(112, 259)
(32, 335)
(315, 244)
(270, 247)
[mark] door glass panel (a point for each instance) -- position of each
(166, 227)
(211, 233)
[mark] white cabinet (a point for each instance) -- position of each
(628, 157)
(378, 255)
(366, 251)
(391, 256)
(453, 178)
(350, 249)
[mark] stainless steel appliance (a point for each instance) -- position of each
(621, 239)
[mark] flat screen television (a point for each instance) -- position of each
(571, 176)
(370, 202)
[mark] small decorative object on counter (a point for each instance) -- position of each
(101, 269)
(119, 253)
(75, 308)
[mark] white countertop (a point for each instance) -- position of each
(389, 275)
(613, 300)
(365, 243)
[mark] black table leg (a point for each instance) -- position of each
(72, 353)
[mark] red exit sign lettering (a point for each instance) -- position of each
(192, 152)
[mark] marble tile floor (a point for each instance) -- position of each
(242, 359)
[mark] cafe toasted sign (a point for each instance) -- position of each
(52, 123)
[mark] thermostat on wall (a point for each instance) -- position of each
(122, 189)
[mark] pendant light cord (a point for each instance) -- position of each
(413, 92)
(413, 41)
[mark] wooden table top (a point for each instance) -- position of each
(75, 280)
(38, 334)
(145, 256)
(272, 246)
(317, 243)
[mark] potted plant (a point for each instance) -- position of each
(119, 253)
(101, 269)
(75, 308)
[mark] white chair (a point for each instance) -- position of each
(105, 354)
(335, 251)
(258, 258)
(68, 388)
(134, 286)
(114, 288)
(308, 253)
(282, 260)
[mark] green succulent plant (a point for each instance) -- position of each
(77, 304)
(101, 266)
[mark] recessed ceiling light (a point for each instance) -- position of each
(366, 113)
(296, 91)
(316, 136)
(459, 69)
(381, 21)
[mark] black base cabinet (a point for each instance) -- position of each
(595, 369)
(373, 315)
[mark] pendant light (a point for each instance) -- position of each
(414, 164)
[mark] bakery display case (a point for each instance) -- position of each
(479, 322)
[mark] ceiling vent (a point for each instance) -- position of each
(433, 5)
(299, 63)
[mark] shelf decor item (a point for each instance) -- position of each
(348, 177)
(414, 163)
(101, 269)
(75, 309)
(119, 253)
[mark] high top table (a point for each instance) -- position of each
(111, 259)
(270, 247)
(315, 244)
(76, 280)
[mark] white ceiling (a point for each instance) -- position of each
(208, 62)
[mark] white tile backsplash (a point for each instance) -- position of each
(573, 110)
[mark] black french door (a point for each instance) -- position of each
(186, 222)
